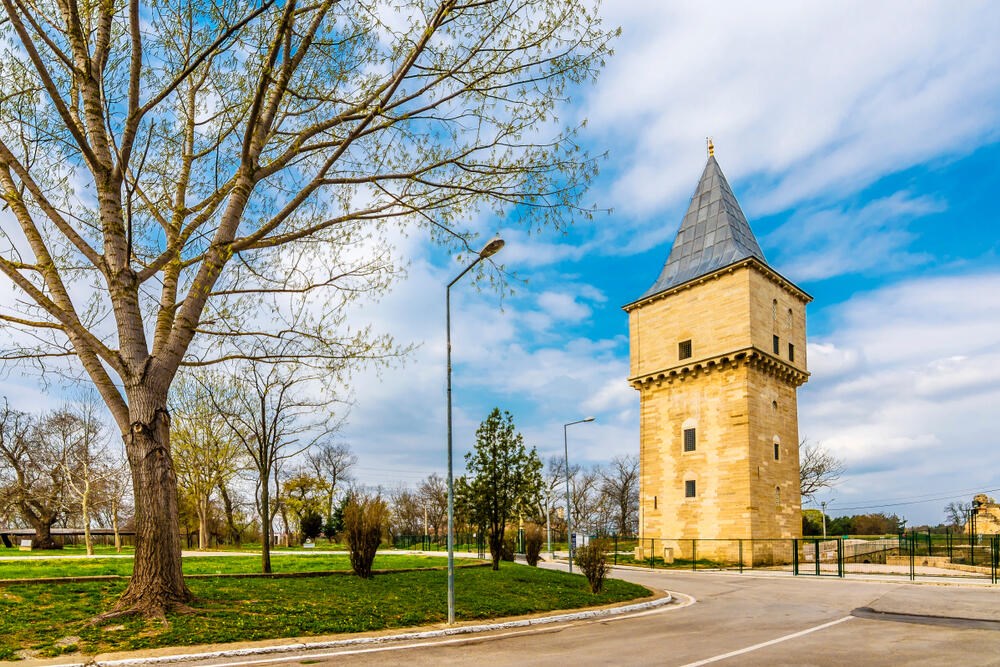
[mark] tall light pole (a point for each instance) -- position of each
(569, 523)
(490, 249)
(823, 505)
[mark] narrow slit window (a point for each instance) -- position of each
(776, 344)
(690, 440)
(777, 451)
(791, 352)
(654, 502)
(777, 495)
(689, 489)
(684, 349)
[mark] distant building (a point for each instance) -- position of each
(985, 516)
(717, 351)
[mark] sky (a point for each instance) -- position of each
(862, 141)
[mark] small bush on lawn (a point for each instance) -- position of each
(507, 548)
(311, 525)
(365, 518)
(590, 559)
(533, 540)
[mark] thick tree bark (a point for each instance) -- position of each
(43, 532)
(157, 582)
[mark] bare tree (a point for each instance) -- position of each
(620, 488)
(818, 469)
(206, 454)
(171, 170)
(956, 513)
(331, 462)
(406, 512)
(276, 412)
(32, 478)
(85, 459)
(433, 493)
(116, 494)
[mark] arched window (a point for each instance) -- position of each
(777, 448)
(777, 496)
(790, 318)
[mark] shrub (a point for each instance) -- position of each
(533, 540)
(590, 559)
(365, 518)
(311, 525)
(330, 528)
(507, 549)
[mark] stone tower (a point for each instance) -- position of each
(717, 350)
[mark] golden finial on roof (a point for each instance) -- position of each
(711, 146)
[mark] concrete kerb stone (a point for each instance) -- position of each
(372, 641)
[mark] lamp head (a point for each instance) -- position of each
(491, 248)
(588, 419)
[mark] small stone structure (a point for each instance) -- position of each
(987, 515)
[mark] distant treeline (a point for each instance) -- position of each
(858, 524)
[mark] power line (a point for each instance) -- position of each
(911, 502)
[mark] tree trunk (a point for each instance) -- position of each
(43, 533)
(118, 535)
(85, 510)
(265, 529)
(157, 582)
(203, 523)
(496, 547)
(227, 504)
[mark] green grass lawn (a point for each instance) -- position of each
(77, 550)
(280, 562)
(51, 619)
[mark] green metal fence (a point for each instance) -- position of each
(911, 555)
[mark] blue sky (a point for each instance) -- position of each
(862, 144)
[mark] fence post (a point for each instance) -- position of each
(995, 548)
(616, 548)
(913, 553)
(741, 556)
(694, 555)
(840, 557)
(652, 545)
(816, 555)
(795, 556)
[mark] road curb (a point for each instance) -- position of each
(373, 641)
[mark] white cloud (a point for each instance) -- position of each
(839, 240)
(804, 100)
(904, 389)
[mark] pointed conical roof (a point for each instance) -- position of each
(713, 234)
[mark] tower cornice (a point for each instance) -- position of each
(750, 356)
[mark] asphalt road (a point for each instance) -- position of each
(724, 619)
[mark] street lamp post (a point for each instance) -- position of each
(823, 505)
(488, 250)
(569, 523)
